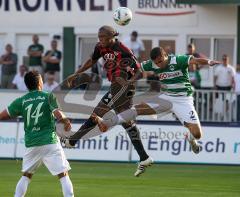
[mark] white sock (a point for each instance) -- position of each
(22, 186)
(127, 115)
(67, 186)
(122, 117)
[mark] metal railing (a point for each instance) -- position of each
(216, 106)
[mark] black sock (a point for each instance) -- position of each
(135, 137)
(84, 129)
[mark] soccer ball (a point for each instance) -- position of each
(122, 16)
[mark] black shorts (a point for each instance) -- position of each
(119, 97)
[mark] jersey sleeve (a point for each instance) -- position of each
(59, 55)
(183, 60)
(232, 71)
(15, 108)
(96, 53)
(42, 48)
(53, 103)
(30, 48)
(147, 65)
(14, 81)
(15, 58)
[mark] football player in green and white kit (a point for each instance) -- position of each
(38, 110)
(175, 96)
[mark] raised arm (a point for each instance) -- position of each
(88, 64)
(203, 61)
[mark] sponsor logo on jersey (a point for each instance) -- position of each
(109, 57)
(170, 75)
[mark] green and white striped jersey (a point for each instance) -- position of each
(174, 78)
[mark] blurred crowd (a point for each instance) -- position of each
(226, 77)
(47, 64)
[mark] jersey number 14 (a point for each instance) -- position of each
(35, 115)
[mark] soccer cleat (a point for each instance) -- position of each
(99, 121)
(142, 165)
(65, 143)
(194, 145)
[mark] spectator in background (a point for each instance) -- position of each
(237, 90)
(191, 50)
(18, 81)
(136, 45)
(168, 50)
(223, 80)
(50, 83)
(9, 66)
(194, 76)
(224, 75)
(52, 59)
(35, 52)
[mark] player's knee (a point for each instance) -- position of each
(63, 174)
(128, 125)
(29, 175)
(195, 129)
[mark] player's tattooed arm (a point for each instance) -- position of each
(203, 61)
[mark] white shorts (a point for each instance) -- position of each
(52, 155)
(183, 108)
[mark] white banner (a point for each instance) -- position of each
(165, 143)
(86, 13)
(8, 131)
(104, 147)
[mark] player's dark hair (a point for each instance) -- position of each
(31, 80)
(110, 31)
(156, 52)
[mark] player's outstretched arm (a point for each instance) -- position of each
(203, 61)
(59, 115)
(88, 64)
(4, 115)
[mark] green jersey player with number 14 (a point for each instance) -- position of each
(175, 96)
(38, 110)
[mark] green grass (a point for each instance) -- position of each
(114, 179)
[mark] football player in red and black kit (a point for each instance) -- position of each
(120, 65)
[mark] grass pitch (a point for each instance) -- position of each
(114, 179)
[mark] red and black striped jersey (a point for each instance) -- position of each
(118, 58)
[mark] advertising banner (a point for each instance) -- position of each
(164, 142)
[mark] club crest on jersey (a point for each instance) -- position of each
(171, 67)
(109, 57)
